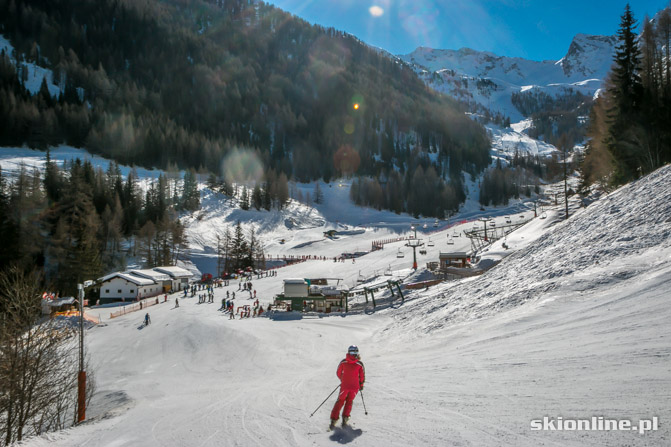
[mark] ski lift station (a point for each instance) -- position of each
(317, 295)
(453, 259)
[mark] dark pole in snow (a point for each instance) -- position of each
(81, 377)
(320, 405)
(364, 403)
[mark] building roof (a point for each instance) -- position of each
(175, 272)
(151, 274)
(454, 254)
(295, 281)
(61, 301)
(139, 280)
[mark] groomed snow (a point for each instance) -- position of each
(573, 323)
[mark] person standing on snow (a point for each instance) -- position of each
(147, 320)
(352, 375)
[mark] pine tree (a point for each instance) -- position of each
(251, 249)
(267, 198)
(282, 190)
(190, 193)
(80, 253)
(317, 194)
(8, 229)
(244, 199)
(257, 197)
(626, 94)
(239, 250)
(213, 182)
(227, 249)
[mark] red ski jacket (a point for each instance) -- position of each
(351, 373)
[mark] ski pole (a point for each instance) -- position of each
(364, 403)
(320, 405)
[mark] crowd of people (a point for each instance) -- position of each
(205, 294)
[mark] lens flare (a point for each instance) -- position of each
(242, 166)
(375, 11)
(357, 101)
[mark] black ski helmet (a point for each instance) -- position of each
(354, 350)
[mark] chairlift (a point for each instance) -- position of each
(435, 224)
(455, 234)
(508, 220)
(544, 215)
(400, 254)
(388, 271)
(450, 241)
(360, 278)
(425, 226)
(422, 251)
(430, 243)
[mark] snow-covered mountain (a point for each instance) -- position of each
(490, 80)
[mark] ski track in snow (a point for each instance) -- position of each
(573, 322)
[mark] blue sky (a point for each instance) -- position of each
(533, 29)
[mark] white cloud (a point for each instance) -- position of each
(376, 11)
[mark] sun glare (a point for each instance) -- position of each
(356, 106)
(376, 11)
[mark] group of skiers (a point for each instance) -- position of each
(203, 296)
(245, 311)
(197, 288)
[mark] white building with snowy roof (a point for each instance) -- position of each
(124, 286)
(163, 279)
(180, 277)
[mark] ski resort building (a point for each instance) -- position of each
(120, 286)
(162, 279)
(58, 305)
(316, 295)
(453, 259)
(179, 277)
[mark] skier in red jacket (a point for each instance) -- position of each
(352, 375)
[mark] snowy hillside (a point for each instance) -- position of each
(573, 323)
(298, 229)
(489, 80)
(34, 73)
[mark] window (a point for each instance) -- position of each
(107, 290)
(118, 291)
(132, 291)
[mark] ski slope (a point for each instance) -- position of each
(572, 323)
